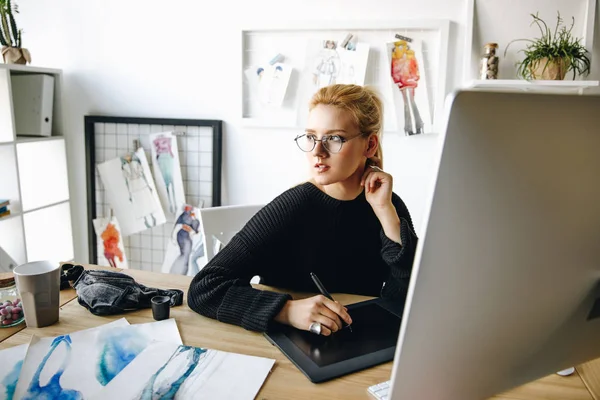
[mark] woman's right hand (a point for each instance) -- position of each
(301, 313)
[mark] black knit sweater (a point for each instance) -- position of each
(301, 231)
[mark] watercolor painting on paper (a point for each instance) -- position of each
(131, 192)
(185, 253)
(167, 171)
(110, 240)
(11, 361)
(80, 364)
(168, 371)
(409, 83)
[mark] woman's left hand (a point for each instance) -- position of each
(378, 185)
(378, 191)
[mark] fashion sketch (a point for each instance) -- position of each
(139, 189)
(354, 62)
(185, 250)
(111, 241)
(131, 192)
(165, 158)
(326, 65)
(273, 84)
(406, 76)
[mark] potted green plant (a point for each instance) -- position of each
(10, 36)
(553, 54)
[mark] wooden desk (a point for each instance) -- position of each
(286, 381)
(65, 296)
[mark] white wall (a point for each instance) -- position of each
(181, 59)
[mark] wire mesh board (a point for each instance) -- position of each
(199, 144)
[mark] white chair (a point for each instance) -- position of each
(220, 224)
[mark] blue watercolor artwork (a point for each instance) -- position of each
(11, 361)
(168, 371)
(165, 384)
(10, 380)
(53, 389)
(81, 364)
(118, 348)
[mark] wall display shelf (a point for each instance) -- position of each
(299, 42)
(486, 23)
(34, 178)
(539, 86)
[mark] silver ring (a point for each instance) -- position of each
(315, 328)
(376, 168)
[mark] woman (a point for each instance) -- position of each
(344, 224)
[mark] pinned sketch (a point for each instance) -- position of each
(167, 170)
(131, 192)
(325, 63)
(109, 237)
(165, 370)
(354, 59)
(11, 362)
(185, 253)
(80, 364)
(273, 84)
(409, 85)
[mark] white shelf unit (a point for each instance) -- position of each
(34, 179)
(486, 22)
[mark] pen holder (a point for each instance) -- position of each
(161, 307)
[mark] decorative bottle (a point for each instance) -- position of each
(489, 62)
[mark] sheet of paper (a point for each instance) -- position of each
(185, 253)
(409, 86)
(110, 240)
(273, 84)
(184, 372)
(167, 171)
(131, 192)
(82, 363)
(11, 361)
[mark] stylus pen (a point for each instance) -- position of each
(325, 293)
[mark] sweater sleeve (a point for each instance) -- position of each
(399, 257)
(222, 289)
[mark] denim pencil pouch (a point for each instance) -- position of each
(107, 293)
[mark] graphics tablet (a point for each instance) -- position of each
(372, 341)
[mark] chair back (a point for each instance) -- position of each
(220, 224)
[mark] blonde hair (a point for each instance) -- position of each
(363, 103)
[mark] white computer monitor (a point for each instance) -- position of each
(507, 270)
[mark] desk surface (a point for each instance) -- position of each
(285, 381)
(65, 297)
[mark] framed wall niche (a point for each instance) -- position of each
(295, 42)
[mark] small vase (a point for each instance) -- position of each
(554, 70)
(15, 55)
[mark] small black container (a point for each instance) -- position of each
(161, 307)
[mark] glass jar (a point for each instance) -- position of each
(488, 67)
(11, 309)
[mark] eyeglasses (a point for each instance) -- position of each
(331, 143)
